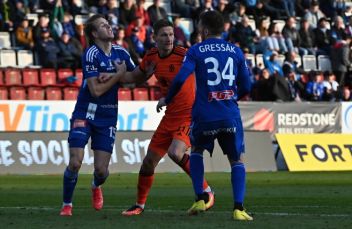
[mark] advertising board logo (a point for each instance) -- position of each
(348, 117)
(264, 120)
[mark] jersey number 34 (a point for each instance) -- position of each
(226, 74)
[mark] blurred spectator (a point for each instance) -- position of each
(323, 37)
(127, 12)
(314, 14)
(120, 38)
(47, 50)
(273, 65)
(136, 46)
(156, 12)
(291, 65)
(274, 9)
(113, 21)
(289, 7)
(80, 35)
(275, 41)
(56, 19)
(330, 87)
(237, 14)
(264, 87)
(141, 12)
(113, 8)
(69, 55)
(227, 30)
(307, 39)
(18, 13)
(42, 24)
(291, 35)
(338, 30)
(180, 37)
(24, 35)
(68, 24)
(244, 35)
(293, 86)
(195, 37)
(184, 8)
(225, 8)
(346, 94)
(258, 12)
(340, 60)
(78, 7)
(314, 87)
(137, 23)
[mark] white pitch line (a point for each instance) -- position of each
(120, 208)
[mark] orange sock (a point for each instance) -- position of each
(184, 164)
(144, 185)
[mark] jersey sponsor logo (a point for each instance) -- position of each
(316, 152)
(79, 123)
(264, 120)
(221, 95)
(171, 68)
(92, 108)
(220, 130)
(91, 68)
(102, 64)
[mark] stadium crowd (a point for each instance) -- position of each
(275, 35)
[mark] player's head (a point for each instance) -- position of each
(211, 24)
(98, 28)
(164, 35)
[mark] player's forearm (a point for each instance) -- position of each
(136, 76)
(97, 88)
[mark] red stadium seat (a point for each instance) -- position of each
(63, 73)
(13, 77)
(152, 81)
(124, 94)
(1, 77)
(17, 93)
(155, 93)
(4, 93)
(79, 75)
(53, 93)
(30, 77)
(70, 93)
(48, 77)
(36, 93)
(140, 94)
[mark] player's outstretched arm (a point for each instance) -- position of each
(138, 75)
(98, 88)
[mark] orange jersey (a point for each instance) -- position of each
(165, 71)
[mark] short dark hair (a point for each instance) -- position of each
(161, 24)
(213, 21)
(90, 27)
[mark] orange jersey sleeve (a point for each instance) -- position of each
(165, 71)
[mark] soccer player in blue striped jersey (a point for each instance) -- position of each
(222, 78)
(95, 113)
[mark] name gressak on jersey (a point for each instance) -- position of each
(217, 48)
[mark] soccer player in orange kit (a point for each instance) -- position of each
(172, 134)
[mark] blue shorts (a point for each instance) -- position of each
(103, 137)
(229, 134)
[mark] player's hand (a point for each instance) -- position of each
(120, 68)
(161, 104)
(104, 77)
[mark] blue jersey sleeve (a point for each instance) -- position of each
(243, 77)
(186, 70)
(128, 60)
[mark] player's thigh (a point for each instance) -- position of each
(103, 139)
(200, 140)
(79, 134)
(180, 138)
(232, 142)
(161, 139)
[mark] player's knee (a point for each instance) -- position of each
(75, 165)
(148, 165)
(101, 172)
(175, 154)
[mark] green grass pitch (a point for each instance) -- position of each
(276, 199)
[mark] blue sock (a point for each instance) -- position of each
(70, 181)
(99, 180)
(238, 180)
(197, 172)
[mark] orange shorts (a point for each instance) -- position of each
(169, 129)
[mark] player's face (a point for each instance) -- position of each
(165, 38)
(103, 30)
